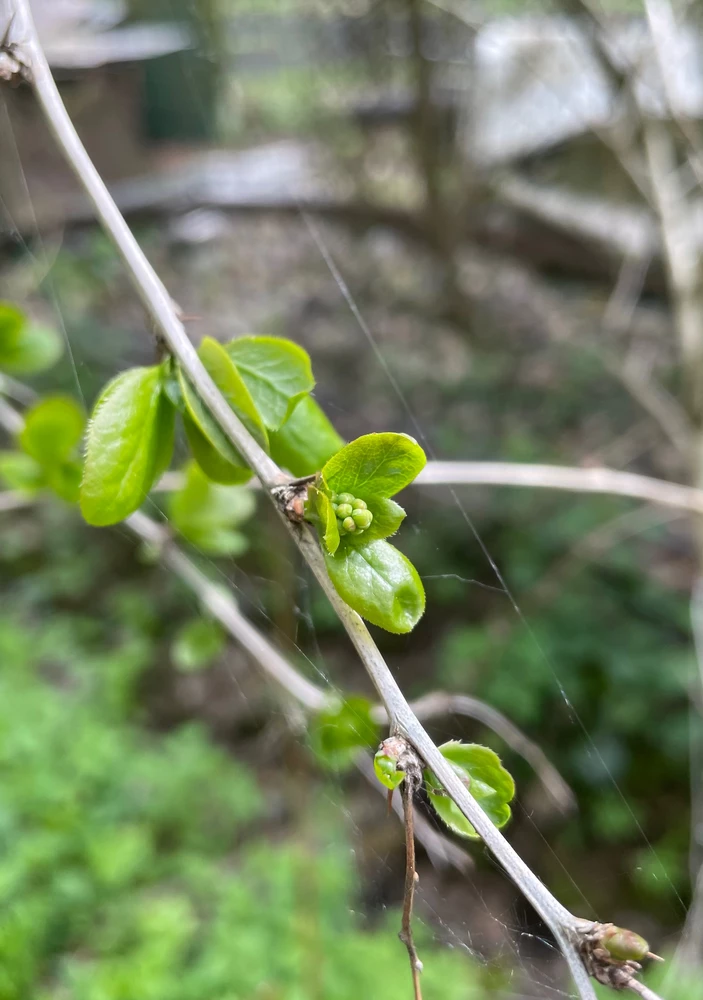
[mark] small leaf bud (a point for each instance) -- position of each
(348, 524)
(345, 498)
(344, 510)
(362, 518)
(385, 767)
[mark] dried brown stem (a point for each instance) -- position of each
(408, 790)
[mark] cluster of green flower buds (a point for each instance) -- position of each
(352, 513)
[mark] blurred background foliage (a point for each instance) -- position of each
(164, 830)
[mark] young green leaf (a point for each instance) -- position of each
(226, 377)
(52, 430)
(129, 444)
(25, 347)
(375, 465)
(485, 777)
(207, 514)
(21, 472)
(210, 459)
(329, 530)
(201, 427)
(379, 583)
(197, 643)
(339, 732)
(277, 373)
(306, 441)
(386, 771)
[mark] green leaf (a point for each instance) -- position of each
(485, 777)
(227, 379)
(21, 472)
(129, 444)
(378, 582)
(25, 347)
(386, 770)
(206, 514)
(329, 529)
(197, 643)
(277, 373)
(375, 465)
(52, 430)
(387, 518)
(306, 441)
(210, 459)
(339, 732)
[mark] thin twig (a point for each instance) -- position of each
(575, 479)
(664, 34)
(642, 991)
(407, 790)
(683, 259)
(562, 477)
(690, 948)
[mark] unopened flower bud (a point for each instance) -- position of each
(385, 766)
(348, 524)
(345, 498)
(362, 518)
(359, 504)
(344, 510)
(625, 945)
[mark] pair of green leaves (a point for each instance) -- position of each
(369, 573)
(478, 767)
(131, 433)
(339, 732)
(25, 347)
(48, 457)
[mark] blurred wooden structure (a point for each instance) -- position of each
(98, 64)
